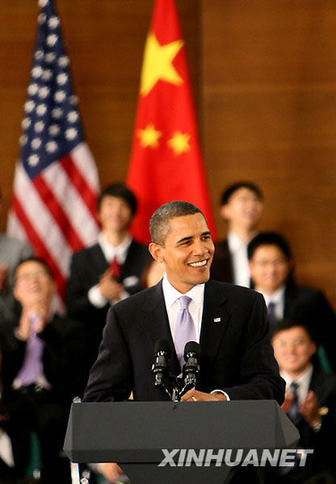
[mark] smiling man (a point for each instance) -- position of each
(229, 322)
(43, 355)
(109, 270)
(309, 402)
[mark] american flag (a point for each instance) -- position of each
(56, 181)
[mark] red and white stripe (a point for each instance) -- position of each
(55, 212)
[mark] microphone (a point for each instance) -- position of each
(162, 353)
(192, 353)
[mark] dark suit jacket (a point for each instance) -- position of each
(236, 355)
(44, 411)
(221, 267)
(322, 461)
(323, 441)
(310, 307)
(87, 266)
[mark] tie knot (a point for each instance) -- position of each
(294, 387)
(271, 306)
(184, 302)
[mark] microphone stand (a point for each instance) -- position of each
(179, 386)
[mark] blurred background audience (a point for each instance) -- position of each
(43, 368)
(241, 209)
(272, 272)
(12, 251)
(310, 402)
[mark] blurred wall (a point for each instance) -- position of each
(264, 81)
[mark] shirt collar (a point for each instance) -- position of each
(110, 251)
(276, 297)
(171, 294)
(302, 378)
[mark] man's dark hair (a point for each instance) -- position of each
(285, 324)
(269, 238)
(159, 222)
(119, 190)
(35, 259)
(231, 189)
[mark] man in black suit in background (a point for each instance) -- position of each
(109, 270)
(271, 266)
(230, 323)
(310, 402)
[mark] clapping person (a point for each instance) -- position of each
(310, 402)
(110, 270)
(42, 368)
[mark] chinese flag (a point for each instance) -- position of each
(166, 162)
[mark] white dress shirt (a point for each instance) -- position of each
(110, 252)
(171, 296)
(303, 381)
(238, 250)
(6, 450)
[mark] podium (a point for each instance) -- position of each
(165, 442)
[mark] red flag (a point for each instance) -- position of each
(56, 181)
(166, 161)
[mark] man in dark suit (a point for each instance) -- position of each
(271, 266)
(310, 402)
(109, 270)
(229, 322)
(241, 208)
(43, 358)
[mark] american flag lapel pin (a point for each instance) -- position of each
(217, 320)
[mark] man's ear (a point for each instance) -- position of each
(224, 211)
(312, 348)
(156, 251)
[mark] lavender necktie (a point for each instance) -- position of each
(184, 328)
(31, 368)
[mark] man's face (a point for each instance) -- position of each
(114, 214)
(293, 349)
(269, 268)
(33, 283)
(244, 209)
(187, 252)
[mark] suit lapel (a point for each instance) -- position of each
(100, 264)
(159, 325)
(215, 319)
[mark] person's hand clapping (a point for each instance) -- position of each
(109, 287)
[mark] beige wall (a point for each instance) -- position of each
(264, 79)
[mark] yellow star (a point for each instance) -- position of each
(179, 142)
(158, 65)
(149, 136)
